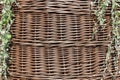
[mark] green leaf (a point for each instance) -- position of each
(3, 32)
(8, 36)
(6, 55)
(117, 13)
(117, 22)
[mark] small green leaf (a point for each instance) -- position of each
(8, 36)
(6, 55)
(117, 22)
(3, 32)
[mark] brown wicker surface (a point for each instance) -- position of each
(52, 40)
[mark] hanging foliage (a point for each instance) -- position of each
(5, 36)
(114, 46)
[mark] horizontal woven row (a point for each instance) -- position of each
(59, 6)
(95, 78)
(57, 62)
(39, 28)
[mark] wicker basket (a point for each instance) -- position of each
(52, 40)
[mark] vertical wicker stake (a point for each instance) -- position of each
(5, 36)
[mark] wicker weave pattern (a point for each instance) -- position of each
(58, 6)
(57, 62)
(52, 40)
(47, 27)
(68, 6)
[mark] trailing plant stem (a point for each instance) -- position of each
(5, 36)
(113, 47)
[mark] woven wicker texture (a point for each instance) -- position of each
(52, 40)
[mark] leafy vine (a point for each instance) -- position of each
(5, 36)
(113, 47)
